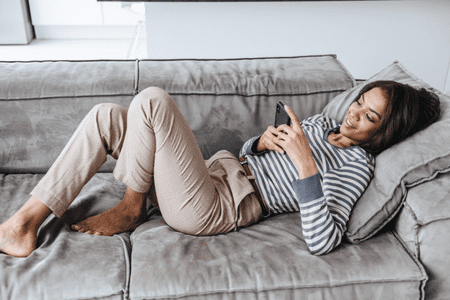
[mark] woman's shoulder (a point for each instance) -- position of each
(358, 156)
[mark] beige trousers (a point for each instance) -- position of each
(154, 145)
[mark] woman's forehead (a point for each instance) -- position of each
(376, 100)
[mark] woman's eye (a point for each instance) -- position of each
(359, 103)
(370, 119)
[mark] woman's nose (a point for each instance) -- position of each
(358, 113)
(355, 114)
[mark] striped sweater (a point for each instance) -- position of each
(325, 200)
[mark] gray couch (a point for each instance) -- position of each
(396, 245)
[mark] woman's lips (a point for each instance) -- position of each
(349, 124)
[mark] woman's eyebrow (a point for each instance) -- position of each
(371, 109)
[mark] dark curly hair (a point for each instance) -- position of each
(408, 110)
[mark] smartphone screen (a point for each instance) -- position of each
(281, 116)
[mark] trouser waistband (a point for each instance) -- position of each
(251, 178)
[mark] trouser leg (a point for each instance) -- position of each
(153, 144)
(160, 148)
(101, 132)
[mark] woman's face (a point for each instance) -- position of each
(364, 116)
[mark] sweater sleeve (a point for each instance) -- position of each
(249, 148)
(325, 207)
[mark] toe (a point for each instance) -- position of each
(81, 229)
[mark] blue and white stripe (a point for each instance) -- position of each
(343, 176)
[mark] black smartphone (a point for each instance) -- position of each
(281, 116)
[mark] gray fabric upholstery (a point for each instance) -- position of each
(423, 224)
(66, 265)
(268, 260)
(225, 102)
(42, 103)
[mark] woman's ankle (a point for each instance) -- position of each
(18, 235)
(32, 214)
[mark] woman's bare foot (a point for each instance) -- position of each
(125, 216)
(16, 239)
(18, 235)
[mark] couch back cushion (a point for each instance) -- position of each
(224, 101)
(42, 103)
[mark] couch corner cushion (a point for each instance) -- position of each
(423, 224)
(417, 159)
(268, 260)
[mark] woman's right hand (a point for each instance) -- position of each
(269, 141)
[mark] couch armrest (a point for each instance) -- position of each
(423, 225)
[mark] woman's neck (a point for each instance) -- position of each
(338, 140)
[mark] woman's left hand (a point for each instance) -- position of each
(295, 144)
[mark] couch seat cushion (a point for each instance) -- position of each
(66, 264)
(268, 260)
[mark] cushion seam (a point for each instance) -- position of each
(242, 58)
(416, 260)
(126, 292)
(177, 296)
(66, 60)
(66, 97)
(173, 59)
(96, 297)
(255, 95)
(175, 93)
(417, 224)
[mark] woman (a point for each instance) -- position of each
(316, 167)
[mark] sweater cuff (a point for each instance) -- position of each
(308, 189)
(254, 145)
(251, 146)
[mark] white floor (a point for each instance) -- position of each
(73, 50)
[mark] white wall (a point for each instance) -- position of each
(366, 35)
(82, 19)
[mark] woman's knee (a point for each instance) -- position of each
(108, 108)
(109, 112)
(154, 91)
(152, 97)
(110, 120)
